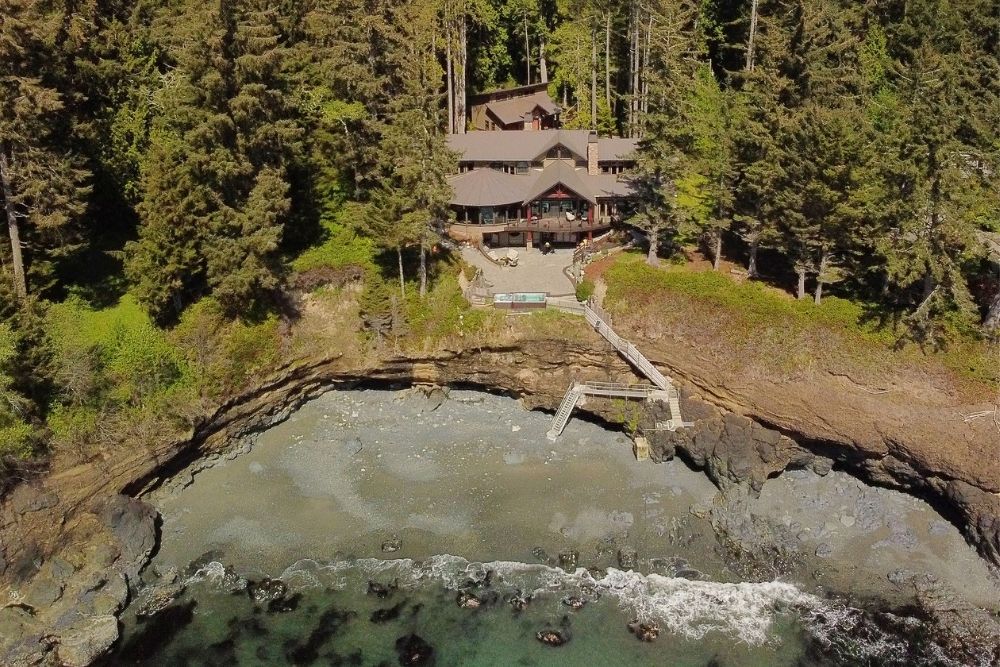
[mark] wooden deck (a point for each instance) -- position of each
(541, 225)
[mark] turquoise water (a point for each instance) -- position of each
(330, 616)
(216, 622)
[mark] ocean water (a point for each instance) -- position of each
(331, 615)
(406, 532)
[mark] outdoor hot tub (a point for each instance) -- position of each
(519, 300)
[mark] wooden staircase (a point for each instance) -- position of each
(662, 388)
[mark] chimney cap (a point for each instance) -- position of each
(593, 137)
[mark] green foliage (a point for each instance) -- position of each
(224, 355)
(341, 246)
(112, 357)
(752, 311)
(585, 290)
(15, 433)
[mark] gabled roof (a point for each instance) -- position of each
(513, 110)
(529, 145)
(488, 187)
(560, 172)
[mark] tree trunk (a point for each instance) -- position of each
(930, 284)
(644, 107)
(399, 258)
(717, 250)
(751, 38)
(607, 59)
(13, 228)
(423, 270)
(633, 104)
(593, 79)
(801, 293)
(752, 264)
(450, 75)
(543, 64)
(653, 257)
(820, 276)
(527, 52)
(461, 76)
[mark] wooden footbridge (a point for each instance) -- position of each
(662, 388)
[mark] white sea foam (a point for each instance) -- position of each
(216, 574)
(743, 611)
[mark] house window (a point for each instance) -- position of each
(521, 168)
(558, 152)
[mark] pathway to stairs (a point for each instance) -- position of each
(662, 389)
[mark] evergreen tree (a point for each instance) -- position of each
(42, 186)
(216, 181)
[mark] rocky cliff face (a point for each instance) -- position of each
(67, 585)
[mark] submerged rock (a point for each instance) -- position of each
(551, 637)
(392, 545)
(628, 558)
(382, 591)
(413, 650)
(285, 604)
(645, 632)
(385, 615)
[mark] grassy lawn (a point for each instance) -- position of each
(765, 327)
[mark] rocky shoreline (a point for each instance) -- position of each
(73, 542)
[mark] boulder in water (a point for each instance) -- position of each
(645, 632)
(628, 558)
(392, 545)
(157, 598)
(540, 554)
(518, 601)
(382, 591)
(574, 602)
(551, 637)
(467, 600)
(267, 591)
(412, 650)
(568, 559)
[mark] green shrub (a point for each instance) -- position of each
(114, 355)
(225, 355)
(585, 290)
(341, 247)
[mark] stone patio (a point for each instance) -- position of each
(534, 272)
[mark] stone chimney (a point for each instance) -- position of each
(529, 120)
(592, 157)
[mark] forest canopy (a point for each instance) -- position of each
(190, 159)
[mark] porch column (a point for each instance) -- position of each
(527, 240)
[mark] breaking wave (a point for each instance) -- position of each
(743, 611)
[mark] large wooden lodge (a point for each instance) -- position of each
(527, 186)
